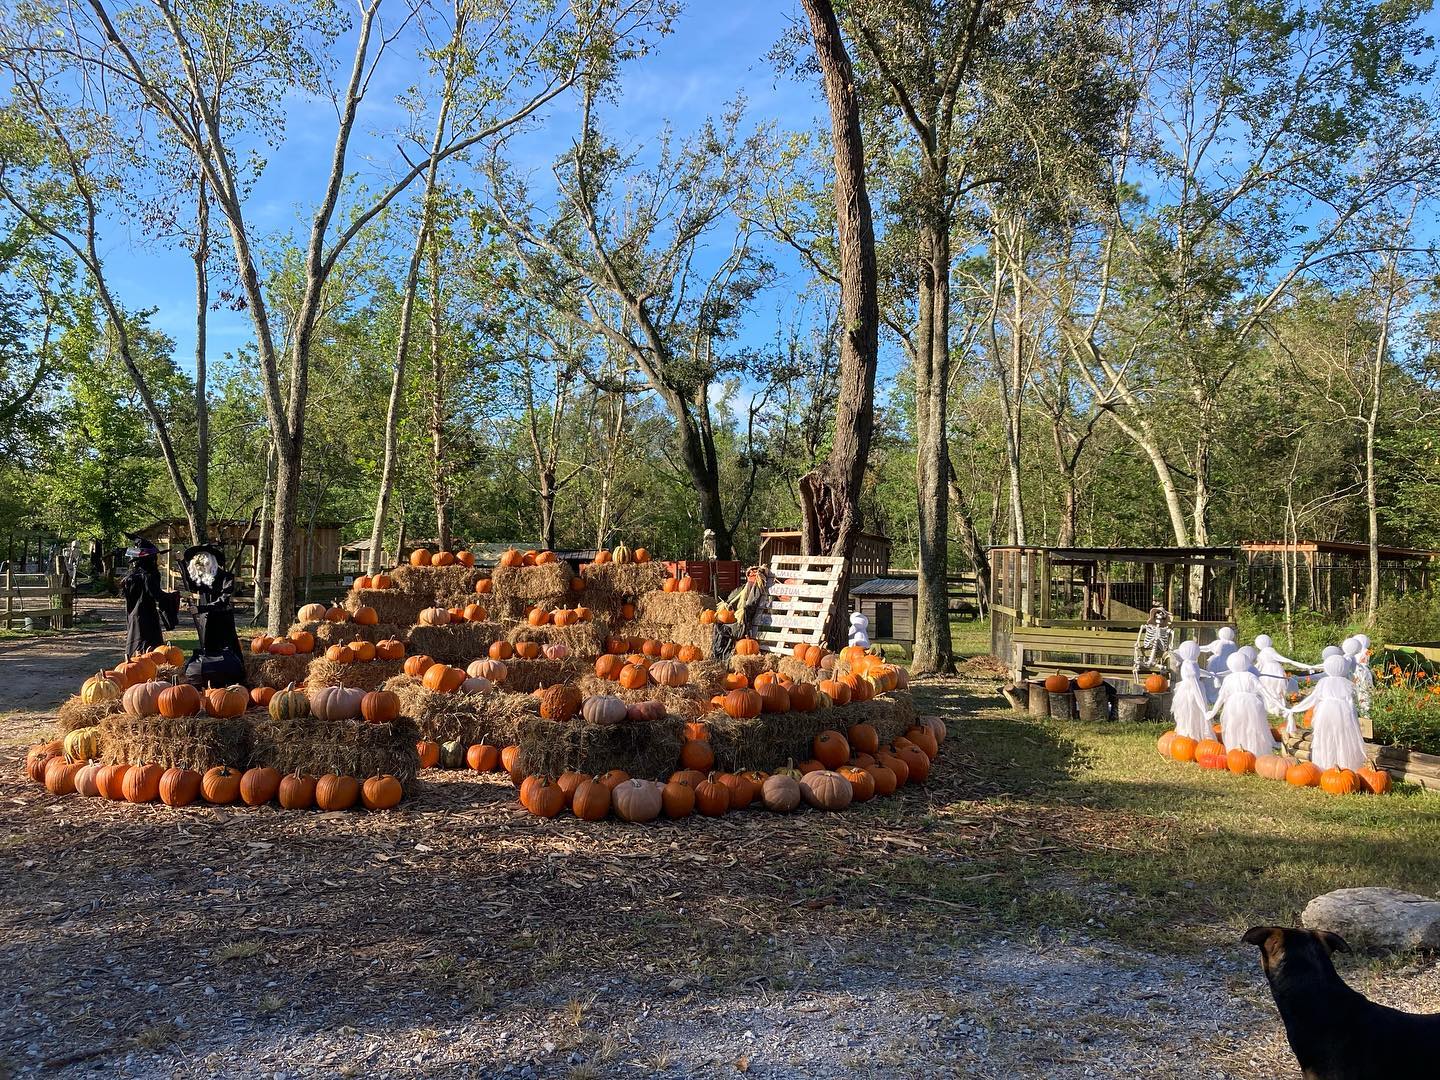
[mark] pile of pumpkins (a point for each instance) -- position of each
(847, 768)
(479, 678)
(1093, 680)
(651, 649)
(621, 555)
(424, 557)
(439, 616)
(1211, 754)
(220, 786)
(110, 685)
(639, 670)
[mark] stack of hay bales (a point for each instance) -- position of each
(750, 666)
(394, 606)
(800, 671)
(527, 676)
(262, 669)
(769, 740)
(582, 639)
(514, 590)
(456, 643)
(672, 616)
(187, 742)
(341, 633)
(346, 747)
(442, 586)
(366, 675)
(610, 586)
(650, 750)
(493, 717)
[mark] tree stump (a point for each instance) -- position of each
(1158, 706)
(1039, 698)
(1093, 705)
(1062, 706)
(1015, 695)
(1131, 708)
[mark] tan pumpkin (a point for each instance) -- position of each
(669, 673)
(638, 800)
(825, 789)
(311, 613)
(434, 616)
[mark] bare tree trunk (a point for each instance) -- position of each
(607, 474)
(200, 522)
(974, 546)
(392, 410)
(932, 455)
(830, 494)
(437, 403)
(1372, 425)
(262, 542)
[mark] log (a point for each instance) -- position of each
(1093, 705)
(1158, 706)
(1039, 698)
(1131, 708)
(1062, 706)
(1015, 695)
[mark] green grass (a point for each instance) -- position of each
(1161, 847)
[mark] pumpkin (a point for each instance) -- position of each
(220, 785)
(170, 655)
(837, 691)
(830, 749)
(434, 616)
(803, 697)
(1240, 761)
(483, 586)
(473, 685)
(1273, 766)
(826, 790)
(465, 558)
(896, 765)
(452, 754)
(774, 698)
(428, 752)
(227, 701)
(492, 670)
(743, 790)
(364, 651)
(182, 699)
(916, 761)
(1210, 754)
(500, 650)
(442, 558)
(289, 704)
(698, 755)
(418, 557)
(633, 677)
(697, 729)
(692, 777)
(555, 652)
(381, 581)
(707, 617)
(735, 680)
(140, 669)
(688, 654)
(143, 698)
(527, 650)
(416, 666)
(442, 678)
(747, 647)
(1163, 743)
(590, 801)
(1156, 684)
(712, 798)
(335, 792)
(483, 757)
(608, 666)
(99, 690)
(528, 559)
(259, 785)
(1374, 780)
(366, 616)
(621, 554)
(509, 756)
(780, 793)
(296, 792)
(283, 647)
(1303, 774)
(380, 707)
(389, 649)
(1182, 748)
(110, 782)
(645, 712)
(87, 781)
(82, 744)
(678, 799)
(559, 702)
(260, 644)
(59, 776)
(311, 613)
(335, 703)
(724, 614)
(885, 780)
(142, 783)
(741, 704)
(637, 800)
(303, 640)
(381, 792)
(669, 673)
(923, 738)
(340, 654)
(641, 555)
(261, 695)
(862, 784)
(336, 615)
(1088, 680)
(1337, 781)
(603, 709)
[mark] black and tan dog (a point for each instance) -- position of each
(1336, 1032)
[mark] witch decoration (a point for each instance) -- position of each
(149, 609)
(218, 661)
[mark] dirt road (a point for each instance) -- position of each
(37, 674)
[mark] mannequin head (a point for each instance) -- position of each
(1329, 651)
(1350, 646)
(1248, 651)
(1188, 649)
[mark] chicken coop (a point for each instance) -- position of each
(1329, 576)
(1050, 606)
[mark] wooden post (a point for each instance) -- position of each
(9, 597)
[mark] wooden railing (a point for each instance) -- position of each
(47, 598)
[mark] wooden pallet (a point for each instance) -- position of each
(801, 597)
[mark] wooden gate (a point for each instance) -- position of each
(802, 595)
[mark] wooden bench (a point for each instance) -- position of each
(1043, 650)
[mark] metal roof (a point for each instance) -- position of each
(884, 586)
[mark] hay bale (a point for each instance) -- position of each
(650, 750)
(891, 714)
(333, 633)
(709, 675)
(610, 584)
(370, 675)
(347, 747)
(582, 639)
(771, 739)
(457, 643)
(429, 583)
(799, 670)
(277, 671)
(750, 666)
(547, 585)
(686, 701)
(74, 714)
(526, 676)
(673, 608)
(189, 742)
(395, 606)
(471, 718)
(702, 637)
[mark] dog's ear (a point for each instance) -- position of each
(1259, 935)
(1333, 942)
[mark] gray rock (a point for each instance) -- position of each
(1374, 918)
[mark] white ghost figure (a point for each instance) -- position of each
(1336, 741)
(1244, 724)
(859, 629)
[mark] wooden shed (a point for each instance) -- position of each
(871, 557)
(889, 603)
(316, 554)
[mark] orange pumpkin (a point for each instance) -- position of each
(1376, 780)
(420, 557)
(365, 616)
(1303, 774)
(1156, 684)
(417, 665)
(1336, 781)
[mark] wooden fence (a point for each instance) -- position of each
(46, 599)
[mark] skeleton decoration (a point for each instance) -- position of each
(1153, 643)
(707, 544)
(203, 567)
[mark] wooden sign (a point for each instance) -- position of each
(802, 594)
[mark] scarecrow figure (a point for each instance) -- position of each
(203, 571)
(149, 609)
(1153, 642)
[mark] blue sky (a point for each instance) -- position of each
(715, 52)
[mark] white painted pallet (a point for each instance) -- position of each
(802, 594)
